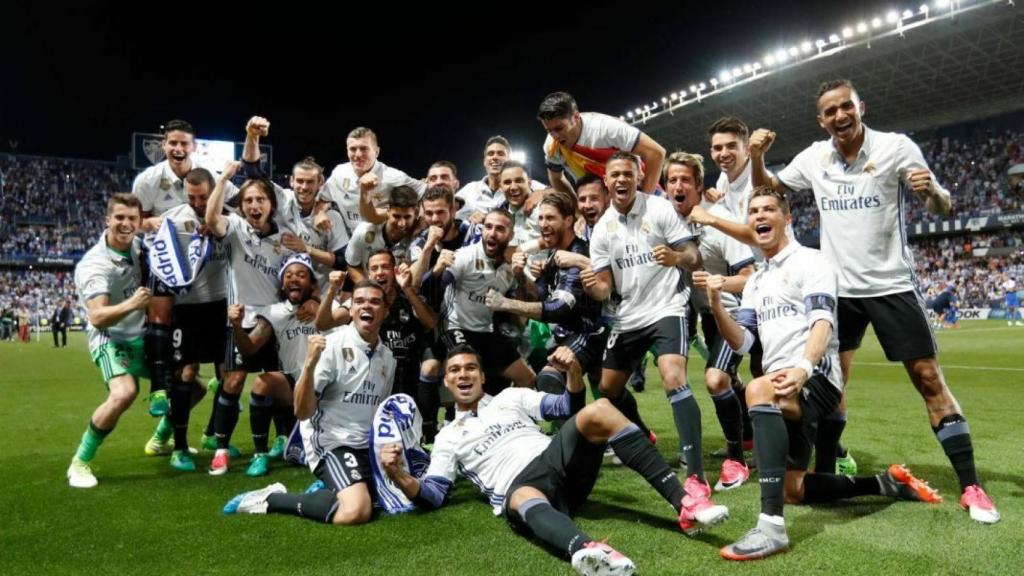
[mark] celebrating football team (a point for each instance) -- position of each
(468, 317)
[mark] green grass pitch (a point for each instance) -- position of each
(144, 518)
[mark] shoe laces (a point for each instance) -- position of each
(974, 495)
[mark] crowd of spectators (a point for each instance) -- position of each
(53, 207)
(39, 291)
(977, 278)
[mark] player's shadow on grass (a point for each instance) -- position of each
(939, 476)
(599, 509)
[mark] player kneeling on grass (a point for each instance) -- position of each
(790, 303)
(536, 481)
(336, 398)
(272, 391)
(108, 281)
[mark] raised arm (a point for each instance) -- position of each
(215, 219)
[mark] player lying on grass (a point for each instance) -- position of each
(536, 481)
(790, 304)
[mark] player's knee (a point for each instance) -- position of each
(234, 382)
(717, 381)
(351, 516)
(122, 398)
(430, 368)
(189, 372)
(760, 391)
(260, 386)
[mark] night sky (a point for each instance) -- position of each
(431, 81)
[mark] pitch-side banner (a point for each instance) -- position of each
(975, 313)
(992, 223)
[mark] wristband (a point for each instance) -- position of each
(805, 365)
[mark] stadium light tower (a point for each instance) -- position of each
(518, 156)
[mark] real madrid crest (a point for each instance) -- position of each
(645, 226)
(165, 184)
(403, 316)
(190, 227)
(370, 235)
(277, 248)
(345, 183)
(479, 264)
(612, 225)
(348, 354)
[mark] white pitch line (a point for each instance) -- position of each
(975, 330)
(898, 365)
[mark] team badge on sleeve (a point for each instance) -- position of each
(370, 235)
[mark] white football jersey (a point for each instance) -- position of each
(721, 254)
(291, 335)
(600, 137)
(104, 270)
(525, 226)
(368, 238)
(255, 263)
(783, 299)
(624, 244)
(350, 381)
(861, 205)
(473, 275)
(212, 283)
(159, 189)
(332, 240)
(493, 445)
(477, 196)
(342, 188)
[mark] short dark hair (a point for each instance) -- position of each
(501, 211)
(123, 199)
(367, 283)
(564, 202)
(557, 105)
(510, 164)
(309, 163)
(589, 179)
(833, 84)
(198, 176)
(439, 193)
(497, 139)
(380, 251)
(460, 349)
(177, 125)
(729, 125)
(264, 186)
(363, 132)
(403, 197)
(770, 192)
(445, 164)
(623, 155)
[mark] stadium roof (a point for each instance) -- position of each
(946, 68)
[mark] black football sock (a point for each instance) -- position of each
(552, 527)
(225, 413)
(730, 416)
(771, 444)
(955, 436)
(636, 451)
(686, 415)
(261, 412)
(318, 506)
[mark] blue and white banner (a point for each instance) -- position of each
(175, 270)
(397, 420)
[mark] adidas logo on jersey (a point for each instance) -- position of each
(351, 369)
